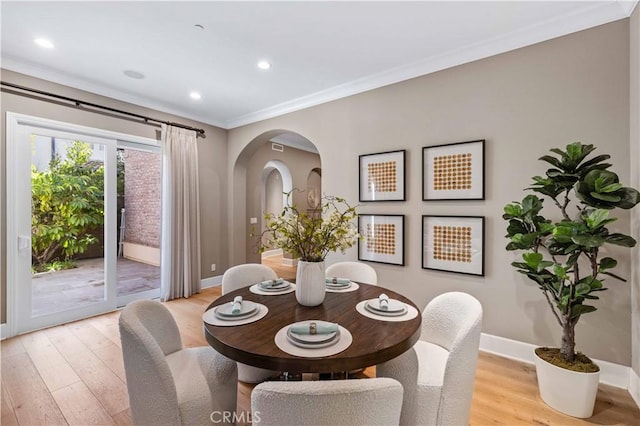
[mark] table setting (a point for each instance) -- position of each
(273, 287)
(313, 338)
(236, 312)
(340, 285)
(384, 308)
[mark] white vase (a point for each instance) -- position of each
(310, 283)
(569, 392)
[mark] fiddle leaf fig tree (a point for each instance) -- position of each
(563, 255)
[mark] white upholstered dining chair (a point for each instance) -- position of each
(242, 276)
(168, 384)
(355, 271)
(365, 402)
(438, 372)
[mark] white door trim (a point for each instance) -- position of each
(15, 122)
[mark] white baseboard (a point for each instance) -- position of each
(610, 373)
(4, 330)
(211, 281)
(271, 253)
(634, 386)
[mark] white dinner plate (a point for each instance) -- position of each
(280, 287)
(335, 339)
(385, 313)
(312, 339)
(393, 306)
(224, 311)
(338, 286)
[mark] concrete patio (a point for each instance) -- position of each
(61, 290)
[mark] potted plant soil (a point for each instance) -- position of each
(562, 255)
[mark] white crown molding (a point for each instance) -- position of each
(610, 373)
(628, 6)
(597, 14)
(76, 82)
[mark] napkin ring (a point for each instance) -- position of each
(334, 280)
(313, 329)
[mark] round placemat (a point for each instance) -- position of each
(352, 287)
(255, 289)
(210, 317)
(283, 343)
(411, 313)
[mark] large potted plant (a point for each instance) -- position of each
(310, 237)
(563, 255)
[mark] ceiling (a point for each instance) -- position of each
(319, 51)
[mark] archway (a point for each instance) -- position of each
(248, 182)
(287, 182)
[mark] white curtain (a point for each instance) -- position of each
(180, 266)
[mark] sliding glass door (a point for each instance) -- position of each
(73, 254)
(64, 216)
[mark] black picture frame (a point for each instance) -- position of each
(453, 244)
(382, 176)
(388, 247)
(454, 171)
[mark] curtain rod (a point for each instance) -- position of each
(78, 102)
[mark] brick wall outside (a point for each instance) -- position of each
(142, 197)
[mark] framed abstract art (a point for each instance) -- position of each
(453, 244)
(382, 176)
(383, 238)
(453, 171)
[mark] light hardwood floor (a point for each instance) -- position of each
(73, 374)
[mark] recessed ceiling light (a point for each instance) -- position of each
(195, 95)
(133, 74)
(43, 42)
(264, 65)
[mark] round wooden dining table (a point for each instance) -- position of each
(374, 341)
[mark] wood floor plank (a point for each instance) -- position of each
(112, 357)
(189, 319)
(89, 335)
(107, 325)
(52, 366)
(31, 400)
(13, 346)
(123, 418)
(110, 390)
(80, 406)
(7, 415)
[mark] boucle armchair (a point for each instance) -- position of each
(242, 276)
(355, 271)
(168, 384)
(365, 402)
(438, 372)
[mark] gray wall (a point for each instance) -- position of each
(300, 164)
(634, 54)
(212, 159)
(574, 88)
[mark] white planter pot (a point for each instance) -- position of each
(570, 392)
(310, 283)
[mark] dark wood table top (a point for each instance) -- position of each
(374, 341)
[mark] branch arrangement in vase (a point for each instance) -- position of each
(311, 237)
